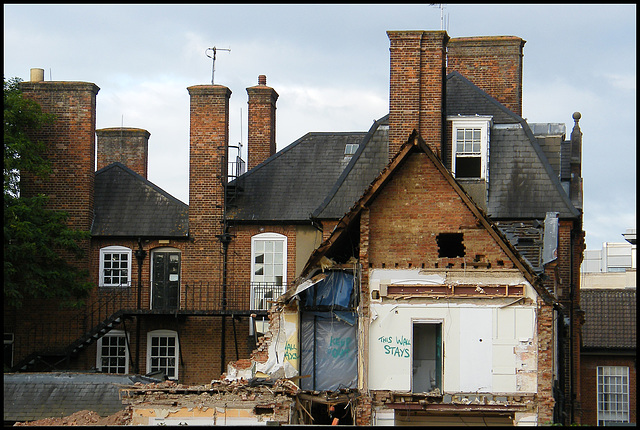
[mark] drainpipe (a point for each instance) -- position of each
(140, 255)
(225, 239)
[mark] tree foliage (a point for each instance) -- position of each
(35, 237)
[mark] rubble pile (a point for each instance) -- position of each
(84, 418)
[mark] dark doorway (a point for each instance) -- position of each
(166, 280)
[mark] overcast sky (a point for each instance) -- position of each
(330, 66)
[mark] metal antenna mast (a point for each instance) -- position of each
(213, 66)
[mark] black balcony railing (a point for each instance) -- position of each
(61, 332)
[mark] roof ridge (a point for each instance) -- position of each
(343, 176)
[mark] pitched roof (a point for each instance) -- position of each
(416, 143)
(128, 205)
(610, 318)
(465, 98)
(371, 157)
(33, 396)
(522, 182)
(292, 183)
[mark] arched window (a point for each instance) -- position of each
(268, 268)
(115, 266)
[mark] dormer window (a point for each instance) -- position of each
(470, 147)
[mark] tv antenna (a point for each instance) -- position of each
(213, 66)
(443, 17)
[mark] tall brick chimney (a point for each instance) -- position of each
(261, 142)
(493, 64)
(416, 90)
(208, 137)
(70, 147)
(126, 145)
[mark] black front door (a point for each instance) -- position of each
(166, 281)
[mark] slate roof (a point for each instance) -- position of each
(610, 318)
(33, 396)
(522, 183)
(292, 183)
(310, 178)
(464, 98)
(371, 157)
(128, 205)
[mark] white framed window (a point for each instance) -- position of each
(112, 355)
(163, 352)
(613, 394)
(470, 146)
(115, 266)
(268, 268)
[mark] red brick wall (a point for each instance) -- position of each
(70, 146)
(416, 88)
(129, 146)
(546, 361)
(412, 209)
(240, 251)
(589, 384)
(261, 141)
(492, 63)
(209, 136)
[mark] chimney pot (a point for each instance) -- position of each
(36, 75)
(262, 80)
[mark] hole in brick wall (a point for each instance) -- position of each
(450, 245)
(396, 265)
(383, 265)
(436, 265)
(423, 265)
(450, 265)
(409, 265)
(500, 263)
(478, 257)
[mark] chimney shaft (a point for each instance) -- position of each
(36, 75)
(416, 99)
(261, 143)
(493, 64)
(129, 146)
(69, 146)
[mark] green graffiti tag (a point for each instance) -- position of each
(339, 347)
(290, 352)
(396, 346)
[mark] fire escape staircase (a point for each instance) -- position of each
(48, 342)
(59, 356)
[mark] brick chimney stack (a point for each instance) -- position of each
(126, 145)
(70, 147)
(209, 138)
(493, 64)
(416, 90)
(261, 143)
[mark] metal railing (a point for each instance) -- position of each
(57, 332)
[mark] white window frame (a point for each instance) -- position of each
(608, 386)
(264, 237)
(115, 250)
(481, 122)
(111, 334)
(164, 333)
